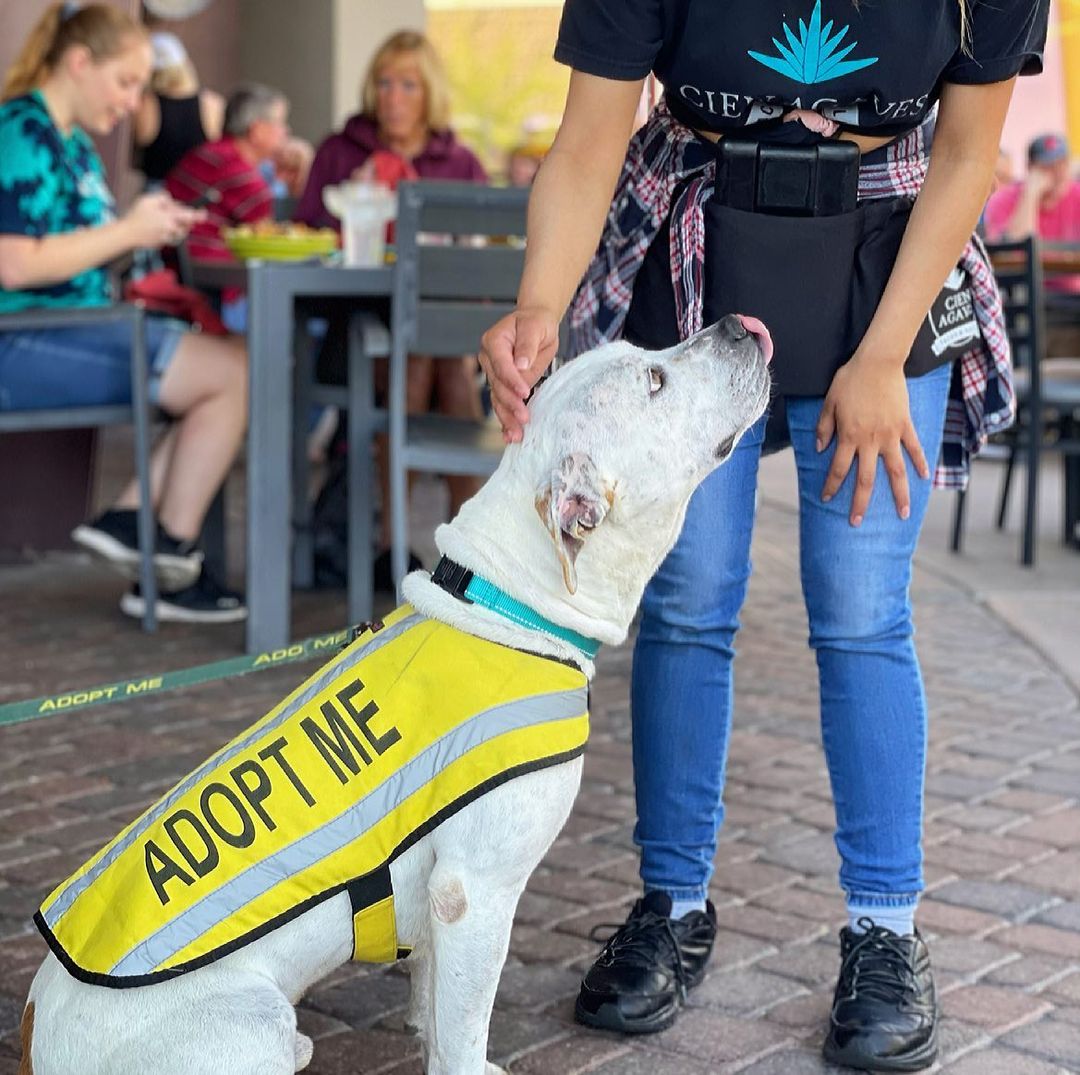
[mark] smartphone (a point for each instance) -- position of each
(208, 197)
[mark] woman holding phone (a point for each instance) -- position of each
(80, 72)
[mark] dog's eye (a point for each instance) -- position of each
(656, 380)
(725, 448)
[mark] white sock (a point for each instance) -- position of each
(681, 908)
(901, 920)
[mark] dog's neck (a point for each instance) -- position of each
(524, 564)
(437, 604)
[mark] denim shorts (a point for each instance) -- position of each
(83, 366)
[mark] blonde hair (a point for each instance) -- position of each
(175, 80)
(432, 74)
(100, 28)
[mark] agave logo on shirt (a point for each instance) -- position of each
(813, 56)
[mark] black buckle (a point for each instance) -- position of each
(452, 577)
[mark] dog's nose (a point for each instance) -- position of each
(738, 326)
(732, 327)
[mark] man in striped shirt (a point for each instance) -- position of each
(227, 176)
(228, 173)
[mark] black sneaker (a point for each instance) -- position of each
(382, 577)
(114, 538)
(884, 1014)
(640, 979)
(205, 601)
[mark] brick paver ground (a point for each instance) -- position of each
(1002, 908)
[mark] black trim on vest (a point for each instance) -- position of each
(366, 891)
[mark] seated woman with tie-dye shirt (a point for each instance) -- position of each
(82, 70)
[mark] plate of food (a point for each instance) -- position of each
(278, 240)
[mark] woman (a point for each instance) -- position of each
(81, 71)
(402, 132)
(175, 115)
(740, 194)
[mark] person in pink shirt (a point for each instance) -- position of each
(1046, 202)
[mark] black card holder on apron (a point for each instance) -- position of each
(815, 281)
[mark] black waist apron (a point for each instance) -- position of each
(815, 281)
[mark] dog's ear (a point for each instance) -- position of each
(571, 505)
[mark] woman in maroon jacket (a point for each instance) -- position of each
(406, 112)
(402, 131)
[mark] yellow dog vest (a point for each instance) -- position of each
(406, 726)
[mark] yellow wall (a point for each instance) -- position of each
(1069, 23)
(501, 73)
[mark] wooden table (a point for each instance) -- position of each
(1061, 259)
(274, 289)
(1056, 260)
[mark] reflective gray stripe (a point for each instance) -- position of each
(348, 826)
(331, 671)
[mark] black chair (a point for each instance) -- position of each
(446, 295)
(136, 413)
(1048, 404)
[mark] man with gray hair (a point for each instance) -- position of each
(227, 177)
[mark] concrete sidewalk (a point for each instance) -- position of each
(1002, 908)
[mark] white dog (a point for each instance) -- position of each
(573, 524)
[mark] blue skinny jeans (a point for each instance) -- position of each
(855, 584)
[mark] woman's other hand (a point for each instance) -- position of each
(157, 220)
(867, 411)
(514, 353)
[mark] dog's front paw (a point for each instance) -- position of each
(305, 1047)
(494, 1069)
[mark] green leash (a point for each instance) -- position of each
(141, 687)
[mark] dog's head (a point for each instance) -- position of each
(582, 511)
(626, 435)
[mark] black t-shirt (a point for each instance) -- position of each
(876, 67)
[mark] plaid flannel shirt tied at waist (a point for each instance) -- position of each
(663, 155)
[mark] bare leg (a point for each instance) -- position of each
(160, 462)
(206, 387)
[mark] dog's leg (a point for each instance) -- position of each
(470, 938)
(305, 1049)
(419, 966)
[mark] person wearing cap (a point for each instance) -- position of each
(1046, 202)
(175, 113)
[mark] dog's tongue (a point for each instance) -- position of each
(758, 329)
